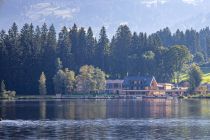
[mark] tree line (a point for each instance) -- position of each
(89, 80)
(25, 54)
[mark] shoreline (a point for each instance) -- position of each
(38, 97)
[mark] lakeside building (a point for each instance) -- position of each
(140, 83)
(114, 86)
(165, 86)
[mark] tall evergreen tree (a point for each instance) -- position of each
(165, 37)
(134, 55)
(48, 54)
(91, 47)
(3, 54)
(13, 59)
(179, 38)
(64, 48)
(81, 52)
(73, 34)
(120, 51)
(103, 50)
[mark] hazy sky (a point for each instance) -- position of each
(140, 15)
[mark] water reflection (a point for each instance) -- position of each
(155, 108)
(102, 119)
(42, 109)
(102, 109)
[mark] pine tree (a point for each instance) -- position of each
(28, 58)
(64, 48)
(42, 84)
(49, 57)
(179, 38)
(91, 47)
(13, 59)
(81, 51)
(120, 51)
(3, 54)
(103, 50)
(165, 37)
(73, 34)
(134, 52)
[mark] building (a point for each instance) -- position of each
(165, 86)
(114, 86)
(140, 83)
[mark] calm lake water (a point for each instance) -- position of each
(105, 119)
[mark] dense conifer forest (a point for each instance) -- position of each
(27, 52)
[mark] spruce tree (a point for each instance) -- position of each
(103, 50)
(73, 34)
(64, 48)
(82, 50)
(91, 47)
(49, 57)
(120, 51)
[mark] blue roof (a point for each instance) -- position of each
(146, 80)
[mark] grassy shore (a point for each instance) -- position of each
(72, 96)
(94, 96)
(196, 96)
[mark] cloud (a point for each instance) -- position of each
(192, 2)
(150, 3)
(39, 11)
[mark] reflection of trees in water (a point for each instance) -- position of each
(139, 108)
(7, 109)
(42, 109)
(158, 108)
(194, 107)
(205, 111)
(80, 109)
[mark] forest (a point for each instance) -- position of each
(27, 52)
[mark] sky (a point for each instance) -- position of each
(140, 15)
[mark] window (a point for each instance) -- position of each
(115, 85)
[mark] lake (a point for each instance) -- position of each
(105, 119)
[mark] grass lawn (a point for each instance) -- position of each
(205, 77)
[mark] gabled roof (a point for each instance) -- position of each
(147, 80)
(114, 81)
